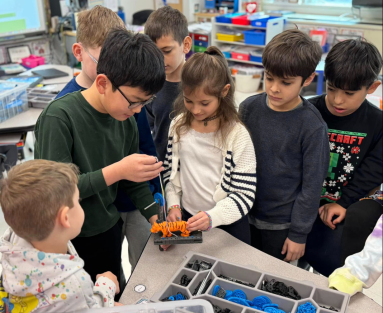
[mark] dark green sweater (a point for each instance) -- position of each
(70, 130)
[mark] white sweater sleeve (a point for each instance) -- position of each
(362, 269)
(172, 196)
(239, 181)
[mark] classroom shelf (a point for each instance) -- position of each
(240, 43)
(247, 62)
(273, 28)
(239, 26)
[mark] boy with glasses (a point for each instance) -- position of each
(93, 129)
(93, 26)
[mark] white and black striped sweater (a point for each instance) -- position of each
(235, 194)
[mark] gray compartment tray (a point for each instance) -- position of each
(308, 291)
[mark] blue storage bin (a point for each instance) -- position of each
(255, 37)
(227, 54)
(255, 58)
(199, 43)
(227, 17)
(262, 22)
(210, 4)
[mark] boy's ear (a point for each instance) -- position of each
(374, 86)
(77, 51)
(309, 80)
(101, 83)
(187, 44)
(63, 218)
(225, 90)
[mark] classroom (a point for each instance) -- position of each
(191, 156)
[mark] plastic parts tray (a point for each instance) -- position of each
(187, 306)
(13, 99)
(317, 296)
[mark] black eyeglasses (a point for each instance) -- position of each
(133, 105)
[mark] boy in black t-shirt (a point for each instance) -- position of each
(356, 167)
(168, 29)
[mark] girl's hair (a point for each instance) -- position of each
(210, 71)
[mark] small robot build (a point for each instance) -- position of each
(172, 233)
(168, 228)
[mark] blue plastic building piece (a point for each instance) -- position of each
(229, 294)
(273, 310)
(215, 290)
(260, 301)
(239, 301)
(239, 294)
(270, 305)
(306, 308)
(159, 199)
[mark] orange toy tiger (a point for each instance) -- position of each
(173, 226)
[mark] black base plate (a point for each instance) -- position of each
(195, 237)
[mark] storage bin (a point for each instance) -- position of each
(13, 99)
(226, 50)
(262, 22)
(255, 37)
(240, 56)
(227, 18)
(241, 20)
(256, 56)
(210, 4)
(201, 43)
(200, 37)
(33, 61)
(199, 49)
(230, 37)
(248, 79)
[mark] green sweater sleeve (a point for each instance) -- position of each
(54, 142)
(139, 193)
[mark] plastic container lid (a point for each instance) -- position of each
(227, 48)
(244, 50)
(256, 52)
(186, 306)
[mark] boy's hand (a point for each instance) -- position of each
(118, 304)
(140, 168)
(165, 247)
(328, 211)
(294, 250)
(112, 277)
(199, 221)
(153, 219)
(174, 215)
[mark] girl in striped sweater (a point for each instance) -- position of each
(209, 175)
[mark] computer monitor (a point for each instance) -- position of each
(367, 3)
(21, 17)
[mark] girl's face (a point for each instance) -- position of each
(201, 105)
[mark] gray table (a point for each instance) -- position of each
(156, 268)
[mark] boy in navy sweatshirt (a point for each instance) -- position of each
(290, 141)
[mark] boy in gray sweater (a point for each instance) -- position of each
(291, 146)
